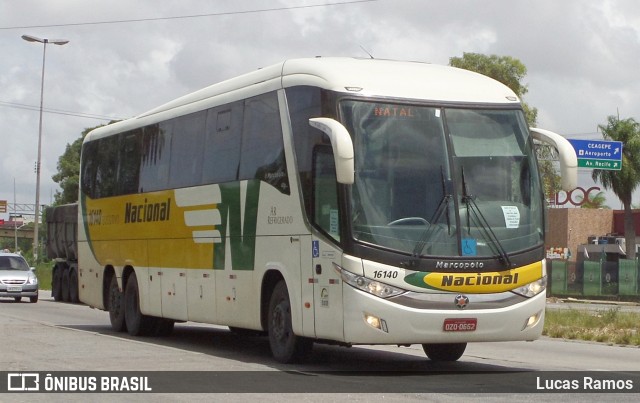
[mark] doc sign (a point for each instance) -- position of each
(576, 197)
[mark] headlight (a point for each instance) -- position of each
(532, 289)
(376, 288)
(32, 279)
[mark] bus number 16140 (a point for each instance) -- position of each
(385, 274)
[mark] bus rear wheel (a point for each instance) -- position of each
(116, 306)
(286, 347)
(444, 352)
(137, 323)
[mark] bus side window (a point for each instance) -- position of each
(325, 188)
(107, 169)
(222, 143)
(89, 167)
(129, 168)
(154, 168)
(187, 150)
(262, 144)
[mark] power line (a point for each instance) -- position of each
(263, 10)
(58, 111)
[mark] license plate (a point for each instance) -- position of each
(460, 325)
(14, 288)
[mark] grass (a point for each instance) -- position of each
(606, 326)
(43, 271)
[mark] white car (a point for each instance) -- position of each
(17, 279)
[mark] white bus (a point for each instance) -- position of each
(329, 200)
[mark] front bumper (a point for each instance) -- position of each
(410, 325)
(27, 290)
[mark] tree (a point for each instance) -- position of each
(68, 176)
(506, 69)
(548, 171)
(510, 72)
(626, 180)
(68, 173)
(595, 202)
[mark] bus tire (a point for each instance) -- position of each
(444, 352)
(116, 306)
(65, 286)
(73, 285)
(137, 323)
(286, 347)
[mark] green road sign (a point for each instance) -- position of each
(600, 164)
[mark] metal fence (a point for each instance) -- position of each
(599, 278)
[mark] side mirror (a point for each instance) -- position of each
(566, 154)
(342, 147)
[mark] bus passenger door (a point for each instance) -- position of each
(327, 291)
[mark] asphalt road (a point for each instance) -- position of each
(50, 336)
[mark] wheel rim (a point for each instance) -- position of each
(279, 322)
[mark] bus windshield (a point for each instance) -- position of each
(443, 182)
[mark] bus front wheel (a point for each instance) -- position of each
(286, 347)
(444, 352)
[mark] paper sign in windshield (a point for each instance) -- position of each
(511, 216)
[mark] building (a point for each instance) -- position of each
(569, 227)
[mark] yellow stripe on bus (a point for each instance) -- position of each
(485, 282)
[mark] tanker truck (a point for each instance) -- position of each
(62, 248)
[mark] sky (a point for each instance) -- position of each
(125, 57)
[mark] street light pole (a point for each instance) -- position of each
(30, 38)
(15, 223)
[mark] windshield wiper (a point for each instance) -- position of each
(443, 207)
(482, 223)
